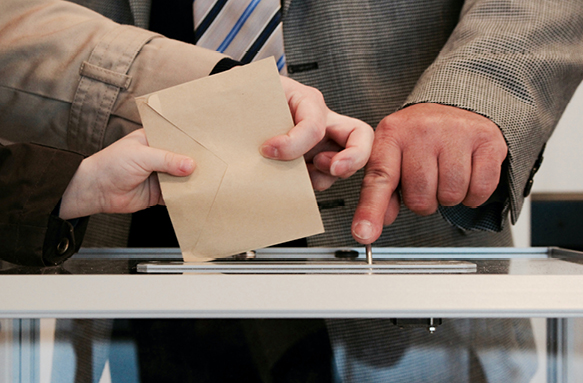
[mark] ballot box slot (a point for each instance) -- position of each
(311, 267)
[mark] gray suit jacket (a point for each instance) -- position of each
(512, 62)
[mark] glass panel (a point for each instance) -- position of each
(6, 352)
(536, 350)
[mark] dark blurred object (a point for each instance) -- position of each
(351, 254)
(173, 19)
(152, 228)
(429, 323)
(557, 220)
(229, 350)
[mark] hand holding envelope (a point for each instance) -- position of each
(333, 145)
(236, 200)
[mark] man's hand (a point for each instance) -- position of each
(333, 145)
(438, 155)
(121, 178)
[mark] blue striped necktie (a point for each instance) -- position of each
(245, 30)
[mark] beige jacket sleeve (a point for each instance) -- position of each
(68, 76)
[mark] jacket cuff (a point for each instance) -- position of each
(62, 239)
(491, 216)
(102, 76)
(224, 65)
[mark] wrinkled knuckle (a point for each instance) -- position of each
(502, 153)
(388, 136)
(499, 148)
(318, 132)
(483, 134)
(375, 176)
(389, 123)
(316, 94)
(168, 159)
(449, 197)
(420, 205)
(482, 190)
(311, 136)
(492, 147)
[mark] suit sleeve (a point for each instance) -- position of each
(32, 180)
(69, 76)
(517, 63)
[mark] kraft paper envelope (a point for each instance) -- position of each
(236, 200)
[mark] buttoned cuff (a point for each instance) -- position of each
(62, 239)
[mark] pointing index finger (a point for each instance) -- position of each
(381, 179)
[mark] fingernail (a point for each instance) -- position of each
(363, 230)
(340, 167)
(269, 151)
(187, 165)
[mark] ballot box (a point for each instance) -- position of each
(428, 292)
